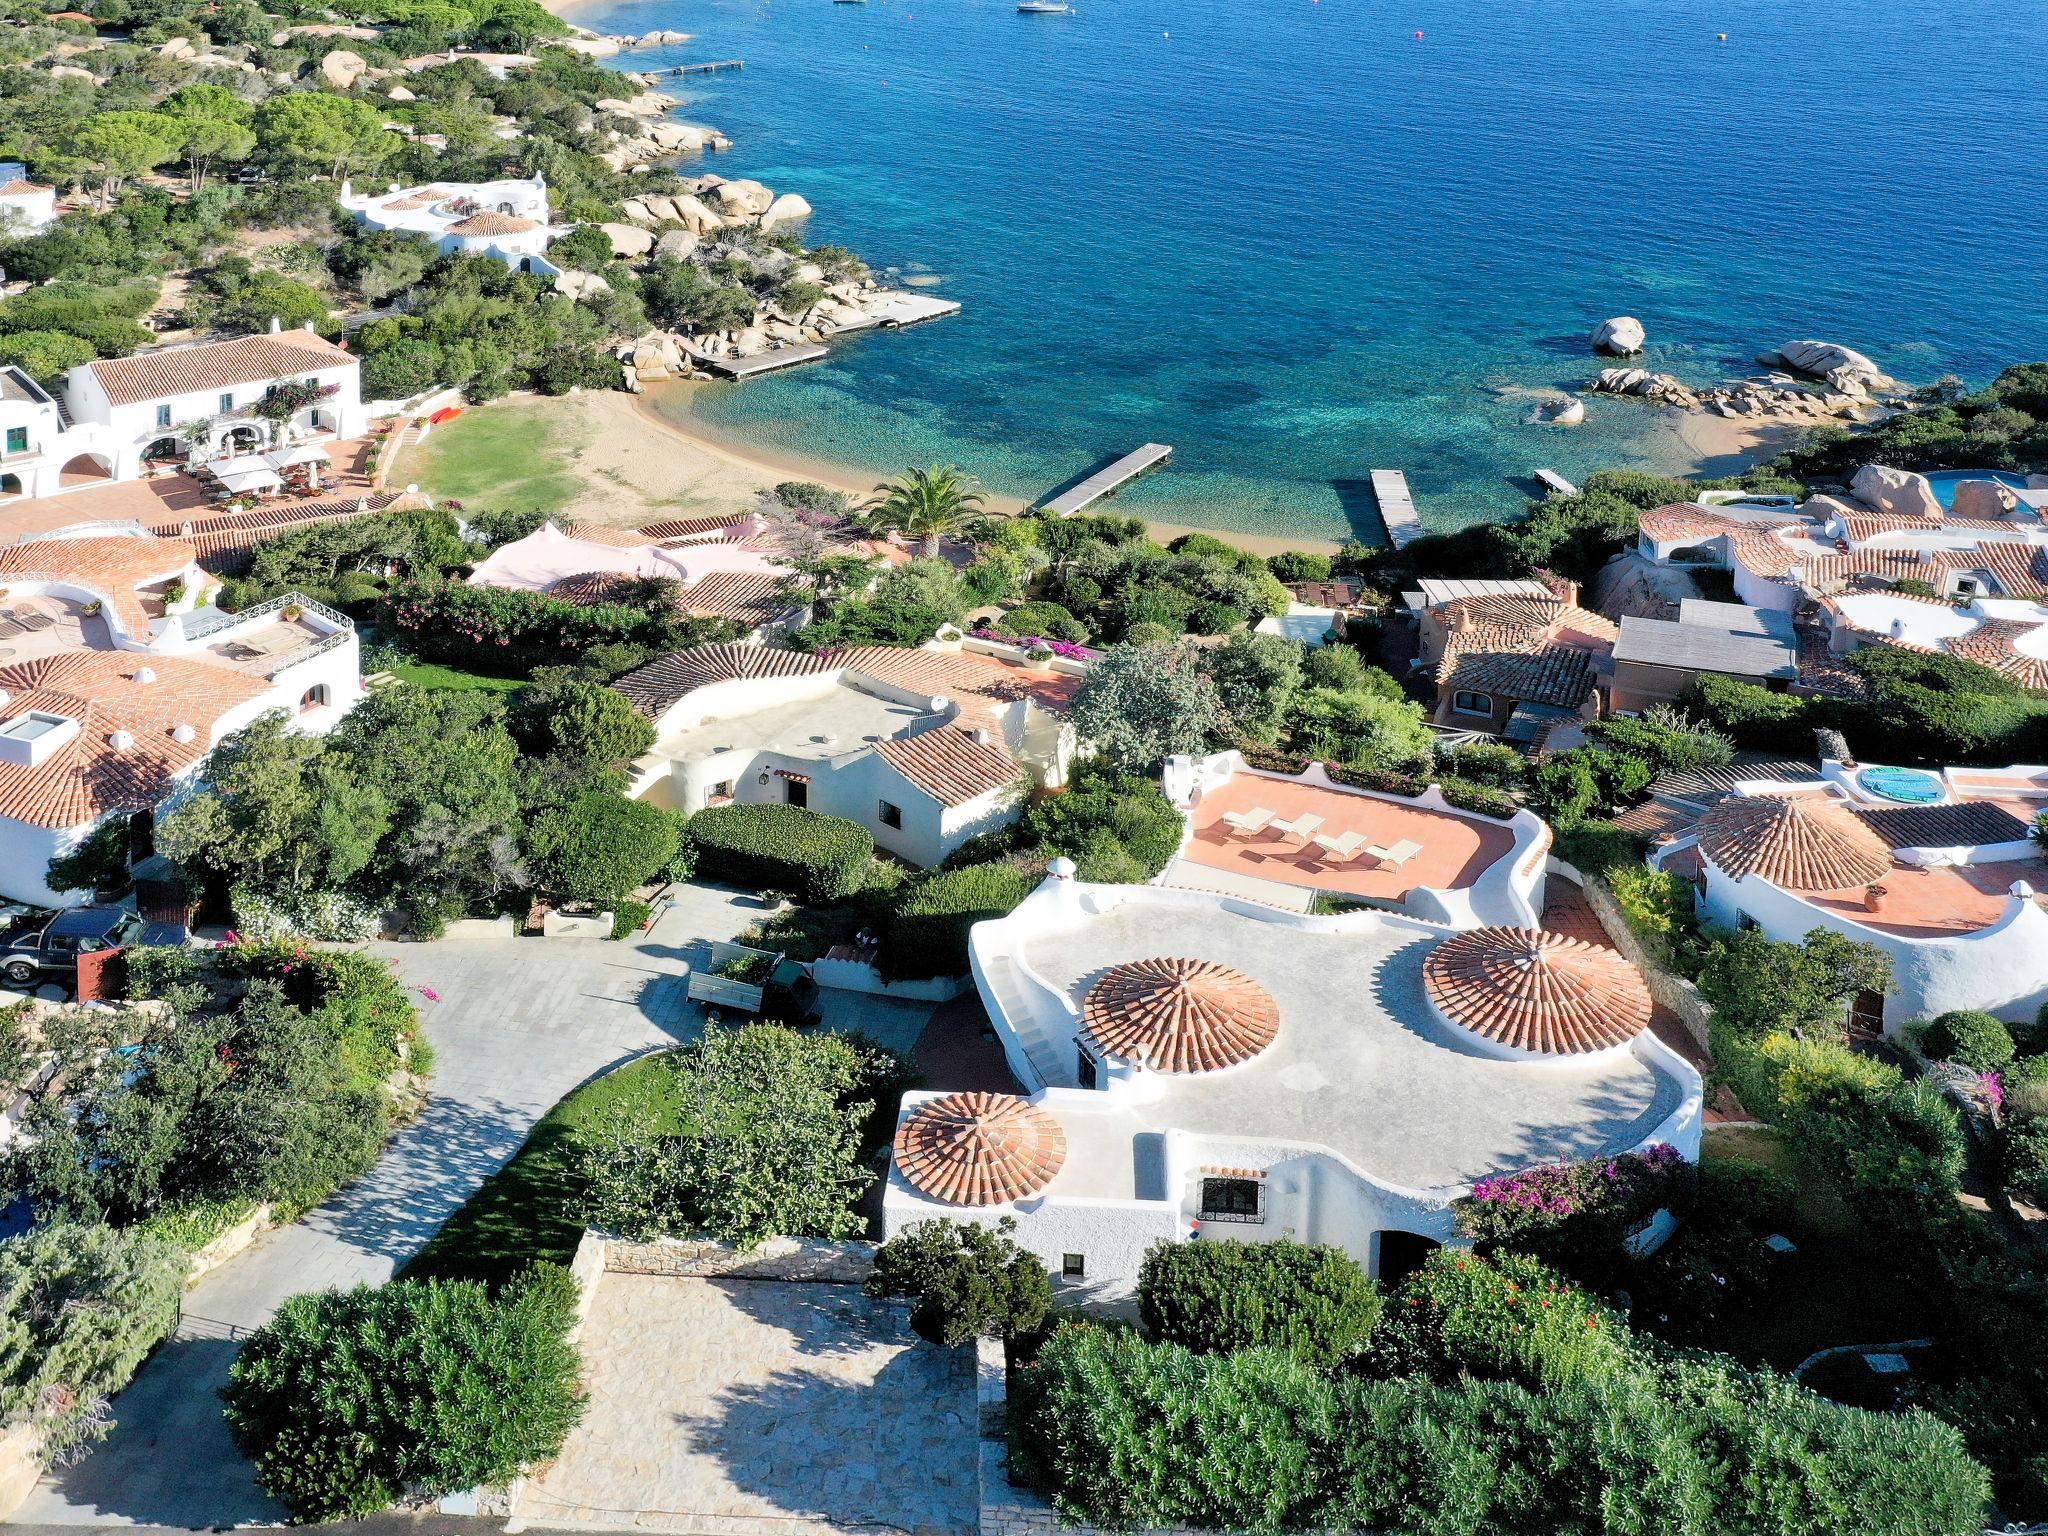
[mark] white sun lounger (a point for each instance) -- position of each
(1341, 848)
(1303, 827)
(1248, 823)
(1396, 856)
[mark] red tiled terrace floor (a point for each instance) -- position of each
(1935, 903)
(1455, 849)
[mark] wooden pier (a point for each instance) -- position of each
(1397, 507)
(1555, 484)
(764, 362)
(695, 69)
(1109, 478)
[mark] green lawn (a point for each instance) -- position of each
(526, 1211)
(516, 455)
(431, 674)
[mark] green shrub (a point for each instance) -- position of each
(1043, 620)
(1979, 1041)
(601, 847)
(80, 1308)
(1295, 565)
(782, 847)
(965, 1281)
(1576, 1215)
(1658, 906)
(1119, 830)
(2024, 1153)
(627, 916)
(928, 932)
(348, 1399)
(1488, 763)
(1317, 1303)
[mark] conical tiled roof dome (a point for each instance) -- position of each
(1537, 991)
(1800, 842)
(979, 1148)
(1179, 1015)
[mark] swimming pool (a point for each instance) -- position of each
(1945, 481)
(1906, 786)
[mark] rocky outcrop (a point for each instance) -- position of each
(1621, 336)
(784, 210)
(1895, 490)
(679, 243)
(746, 198)
(656, 39)
(1845, 369)
(655, 357)
(1570, 411)
(695, 215)
(341, 69)
(1661, 388)
(1984, 499)
(628, 240)
(400, 93)
(580, 284)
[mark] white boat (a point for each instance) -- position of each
(1044, 7)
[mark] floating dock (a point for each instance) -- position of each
(695, 69)
(1555, 484)
(1109, 478)
(764, 362)
(1397, 507)
(894, 308)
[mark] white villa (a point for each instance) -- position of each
(117, 679)
(925, 748)
(504, 220)
(26, 206)
(114, 418)
(1935, 869)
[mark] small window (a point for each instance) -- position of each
(1084, 1069)
(1745, 921)
(890, 815)
(17, 439)
(227, 401)
(719, 793)
(163, 415)
(1233, 1200)
(1073, 1265)
(1472, 703)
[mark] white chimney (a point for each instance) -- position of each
(981, 735)
(145, 674)
(121, 741)
(274, 326)
(183, 734)
(1898, 629)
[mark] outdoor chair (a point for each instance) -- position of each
(1249, 823)
(1340, 849)
(9, 629)
(1302, 828)
(1396, 856)
(34, 623)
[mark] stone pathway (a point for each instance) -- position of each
(763, 1408)
(520, 1022)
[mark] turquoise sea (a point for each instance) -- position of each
(1298, 241)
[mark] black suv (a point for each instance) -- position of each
(48, 946)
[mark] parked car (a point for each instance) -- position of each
(47, 947)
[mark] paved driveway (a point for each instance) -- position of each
(520, 1022)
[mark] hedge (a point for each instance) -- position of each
(1317, 1303)
(1459, 794)
(782, 847)
(928, 933)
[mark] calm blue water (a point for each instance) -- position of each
(1943, 482)
(1298, 243)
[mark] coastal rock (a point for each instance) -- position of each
(808, 272)
(749, 340)
(1828, 509)
(677, 136)
(1895, 490)
(700, 185)
(1985, 499)
(679, 243)
(1620, 337)
(1846, 369)
(176, 48)
(831, 316)
(70, 72)
(611, 104)
(656, 356)
(1645, 385)
(628, 241)
(695, 215)
(779, 329)
(749, 198)
(784, 210)
(400, 93)
(1568, 412)
(580, 284)
(341, 68)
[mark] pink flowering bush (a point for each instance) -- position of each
(1066, 648)
(1575, 1212)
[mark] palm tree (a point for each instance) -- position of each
(926, 504)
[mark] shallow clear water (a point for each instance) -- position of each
(1297, 242)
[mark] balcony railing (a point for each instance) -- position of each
(199, 624)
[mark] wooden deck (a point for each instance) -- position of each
(1397, 507)
(1109, 478)
(765, 362)
(1555, 484)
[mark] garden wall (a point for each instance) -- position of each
(779, 1258)
(1674, 992)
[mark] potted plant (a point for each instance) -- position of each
(293, 610)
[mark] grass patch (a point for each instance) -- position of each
(515, 455)
(431, 674)
(526, 1211)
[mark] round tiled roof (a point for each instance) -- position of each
(1799, 842)
(979, 1148)
(1536, 991)
(1179, 1015)
(489, 223)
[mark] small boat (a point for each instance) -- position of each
(1043, 7)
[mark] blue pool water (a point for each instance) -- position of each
(1298, 243)
(1943, 482)
(1908, 786)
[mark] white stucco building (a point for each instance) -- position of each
(1936, 870)
(1206, 1067)
(26, 206)
(119, 678)
(504, 220)
(113, 418)
(925, 748)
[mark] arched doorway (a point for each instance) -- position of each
(86, 469)
(241, 439)
(1401, 1254)
(165, 450)
(10, 485)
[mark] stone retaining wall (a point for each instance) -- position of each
(780, 1258)
(1674, 992)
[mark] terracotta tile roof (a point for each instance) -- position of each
(1798, 843)
(751, 598)
(1517, 665)
(691, 527)
(1659, 820)
(2020, 569)
(949, 765)
(424, 197)
(112, 567)
(979, 1148)
(1537, 991)
(973, 682)
(657, 686)
(490, 223)
(1991, 645)
(1967, 824)
(1687, 520)
(1704, 786)
(1868, 525)
(87, 777)
(604, 533)
(20, 188)
(1179, 1015)
(225, 542)
(216, 365)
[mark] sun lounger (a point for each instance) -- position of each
(1341, 848)
(1302, 828)
(1248, 823)
(1396, 856)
